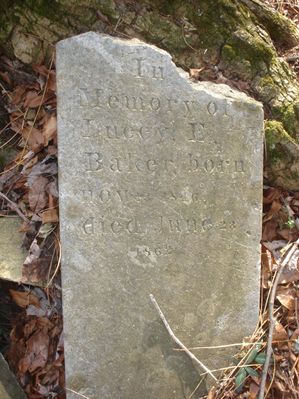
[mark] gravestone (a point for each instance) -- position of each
(160, 193)
(12, 255)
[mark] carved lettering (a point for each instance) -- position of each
(239, 166)
(115, 164)
(94, 161)
(158, 72)
(155, 104)
(162, 224)
(116, 227)
(105, 195)
(193, 163)
(197, 132)
(88, 226)
(87, 130)
(211, 165)
(90, 98)
(143, 70)
(170, 103)
(131, 103)
(139, 67)
(96, 98)
(212, 108)
(207, 224)
(113, 102)
(189, 107)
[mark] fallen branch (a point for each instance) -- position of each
(272, 319)
(14, 207)
(177, 341)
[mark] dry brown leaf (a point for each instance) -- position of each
(289, 276)
(52, 190)
(52, 82)
(275, 207)
(295, 334)
(41, 69)
(280, 385)
(286, 297)
(38, 198)
(269, 231)
(37, 352)
(5, 77)
(289, 234)
(29, 96)
(17, 95)
(49, 130)
(195, 73)
(253, 390)
(50, 216)
(29, 327)
(271, 194)
(24, 299)
(279, 333)
(33, 138)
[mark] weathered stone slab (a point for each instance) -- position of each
(160, 192)
(9, 388)
(12, 255)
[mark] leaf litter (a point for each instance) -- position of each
(29, 180)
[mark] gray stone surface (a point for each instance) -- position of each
(12, 256)
(160, 192)
(9, 388)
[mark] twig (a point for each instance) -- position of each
(226, 346)
(14, 207)
(77, 393)
(196, 388)
(177, 341)
(272, 319)
(57, 266)
(293, 58)
(239, 366)
(240, 344)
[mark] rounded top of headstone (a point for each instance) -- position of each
(111, 48)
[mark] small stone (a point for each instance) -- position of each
(12, 255)
(9, 387)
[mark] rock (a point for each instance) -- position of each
(9, 388)
(12, 256)
(160, 193)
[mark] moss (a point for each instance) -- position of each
(235, 64)
(266, 88)
(160, 30)
(288, 114)
(289, 118)
(280, 146)
(250, 46)
(281, 29)
(296, 109)
(49, 9)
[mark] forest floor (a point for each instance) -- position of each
(31, 317)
